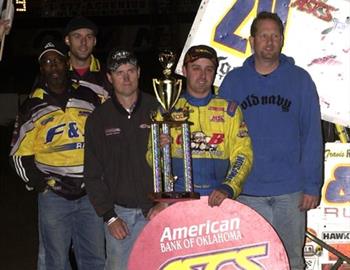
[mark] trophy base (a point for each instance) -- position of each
(172, 196)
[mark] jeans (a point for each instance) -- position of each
(118, 251)
(283, 214)
(41, 251)
(63, 222)
(41, 255)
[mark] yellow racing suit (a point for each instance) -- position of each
(48, 141)
(220, 145)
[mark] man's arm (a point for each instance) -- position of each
(240, 152)
(26, 169)
(22, 155)
(216, 197)
(311, 146)
(97, 190)
(308, 202)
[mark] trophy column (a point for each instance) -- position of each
(156, 160)
(186, 146)
(167, 91)
(168, 178)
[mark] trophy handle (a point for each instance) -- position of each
(167, 92)
(155, 83)
(178, 85)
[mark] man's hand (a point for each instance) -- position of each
(164, 139)
(155, 210)
(4, 27)
(308, 202)
(118, 229)
(216, 197)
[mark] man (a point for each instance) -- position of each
(117, 177)
(47, 154)
(282, 111)
(80, 36)
(220, 145)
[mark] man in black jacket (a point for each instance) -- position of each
(117, 176)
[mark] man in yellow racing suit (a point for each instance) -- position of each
(220, 145)
(48, 154)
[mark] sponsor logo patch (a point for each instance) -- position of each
(217, 118)
(145, 126)
(112, 131)
(84, 113)
(231, 108)
(47, 120)
(201, 142)
(243, 131)
(217, 109)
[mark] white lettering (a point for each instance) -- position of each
(192, 231)
(166, 235)
(170, 246)
(209, 227)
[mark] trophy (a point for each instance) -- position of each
(167, 91)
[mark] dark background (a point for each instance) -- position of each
(143, 26)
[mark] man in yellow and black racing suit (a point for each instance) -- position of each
(48, 154)
(221, 148)
(220, 145)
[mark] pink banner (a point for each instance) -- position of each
(192, 235)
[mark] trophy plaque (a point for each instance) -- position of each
(167, 90)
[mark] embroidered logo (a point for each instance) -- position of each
(112, 131)
(231, 108)
(49, 45)
(47, 120)
(217, 118)
(243, 130)
(145, 126)
(201, 142)
(84, 113)
(214, 108)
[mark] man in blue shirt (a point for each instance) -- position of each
(281, 108)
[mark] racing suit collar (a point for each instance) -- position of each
(94, 64)
(197, 101)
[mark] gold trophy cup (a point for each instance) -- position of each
(167, 91)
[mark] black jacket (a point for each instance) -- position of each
(116, 171)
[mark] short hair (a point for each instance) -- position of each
(265, 15)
